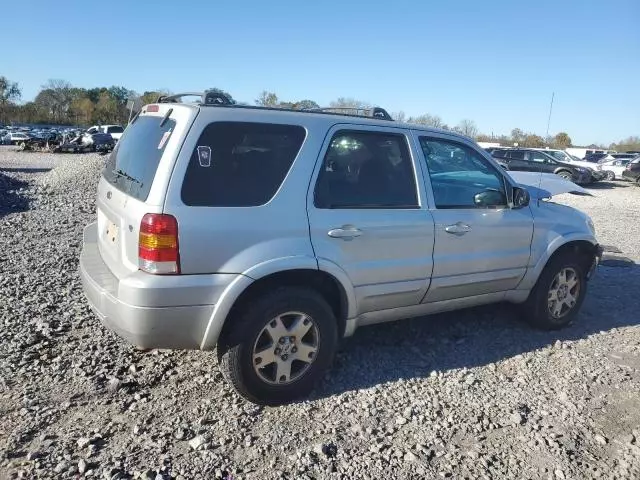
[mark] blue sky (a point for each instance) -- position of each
(495, 62)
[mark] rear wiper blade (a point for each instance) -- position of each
(121, 173)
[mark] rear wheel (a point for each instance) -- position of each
(611, 175)
(281, 345)
(559, 292)
(566, 175)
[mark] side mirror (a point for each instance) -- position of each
(521, 197)
(490, 198)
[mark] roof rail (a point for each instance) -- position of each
(374, 112)
(209, 97)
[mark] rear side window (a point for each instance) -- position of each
(240, 164)
(132, 165)
(516, 155)
(364, 169)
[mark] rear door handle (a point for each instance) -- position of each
(457, 229)
(346, 232)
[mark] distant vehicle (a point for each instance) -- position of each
(14, 138)
(613, 169)
(632, 172)
(114, 130)
(532, 160)
(562, 156)
(595, 157)
(624, 155)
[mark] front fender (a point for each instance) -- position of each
(542, 256)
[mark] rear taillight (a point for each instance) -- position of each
(158, 244)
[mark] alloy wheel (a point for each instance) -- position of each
(285, 348)
(564, 292)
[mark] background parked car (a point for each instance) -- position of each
(14, 138)
(114, 130)
(531, 160)
(632, 172)
(614, 168)
(562, 156)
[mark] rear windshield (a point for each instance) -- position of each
(132, 165)
(115, 129)
(238, 164)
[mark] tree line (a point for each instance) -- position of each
(60, 103)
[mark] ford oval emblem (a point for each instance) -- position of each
(109, 195)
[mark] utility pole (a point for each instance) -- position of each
(549, 120)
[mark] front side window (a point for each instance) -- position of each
(516, 155)
(364, 169)
(240, 164)
(458, 174)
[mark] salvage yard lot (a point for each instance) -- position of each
(472, 394)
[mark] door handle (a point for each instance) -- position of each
(457, 229)
(346, 232)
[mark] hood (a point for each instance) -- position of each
(546, 185)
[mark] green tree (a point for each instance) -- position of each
(305, 105)
(630, 143)
(517, 136)
(533, 141)
(562, 140)
(106, 110)
(267, 99)
(9, 93)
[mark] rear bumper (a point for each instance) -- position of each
(631, 174)
(150, 311)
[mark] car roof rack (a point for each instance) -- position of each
(217, 98)
(209, 97)
(372, 112)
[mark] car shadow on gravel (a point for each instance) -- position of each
(26, 170)
(605, 185)
(412, 349)
(11, 199)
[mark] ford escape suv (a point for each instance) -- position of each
(270, 234)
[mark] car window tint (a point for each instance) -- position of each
(538, 157)
(238, 164)
(516, 155)
(366, 170)
(458, 173)
(499, 154)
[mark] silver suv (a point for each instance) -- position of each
(271, 234)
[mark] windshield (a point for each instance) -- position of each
(132, 165)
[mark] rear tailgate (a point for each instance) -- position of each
(135, 180)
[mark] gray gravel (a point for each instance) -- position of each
(473, 394)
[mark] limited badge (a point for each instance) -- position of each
(204, 156)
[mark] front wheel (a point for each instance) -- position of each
(566, 175)
(610, 175)
(559, 292)
(280, 346)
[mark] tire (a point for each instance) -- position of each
(260, 328)
(610, 176)
(566, 175)
(541, 310)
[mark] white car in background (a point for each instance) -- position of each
(614, 168)
(114, 130)
(14, 138)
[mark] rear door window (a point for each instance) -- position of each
(240, 164)
(132, 166)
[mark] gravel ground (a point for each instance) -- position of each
(472, 394)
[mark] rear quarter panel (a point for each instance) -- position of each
(253, 241)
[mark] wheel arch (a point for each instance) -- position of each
(339, 296)
(581, 244)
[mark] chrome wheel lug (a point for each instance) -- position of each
(285, 356)
(281, 341)
(294, 350)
